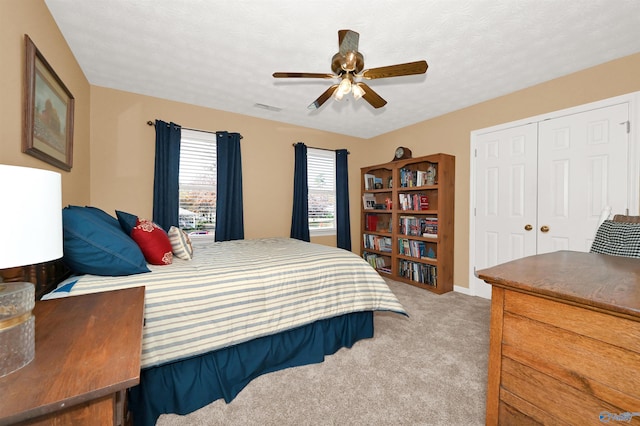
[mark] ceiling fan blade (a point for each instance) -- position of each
(323, 98)
(348, 41)
(370, 96)
(410, 68)
(302, 75)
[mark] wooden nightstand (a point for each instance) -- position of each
(87, 355)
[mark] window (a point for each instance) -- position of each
(197, 183)
(321, 174)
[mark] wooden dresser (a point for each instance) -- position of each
(87, 355)
(565, 340)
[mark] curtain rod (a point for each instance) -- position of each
(151, 123)
(324, 149)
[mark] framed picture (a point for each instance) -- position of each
(368, 201)
(48, 112)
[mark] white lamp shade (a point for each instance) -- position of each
(30, 216)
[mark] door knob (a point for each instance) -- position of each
(528, 227)
(544, 228)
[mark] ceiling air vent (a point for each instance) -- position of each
(267, 107)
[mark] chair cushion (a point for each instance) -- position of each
(618, 239)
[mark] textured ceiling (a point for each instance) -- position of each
(221, 54)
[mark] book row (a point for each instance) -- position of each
(376, 242)
(413, 201)
(410, 178)
(413, 248)
(418, 272)
(418, 226)
(377, 262)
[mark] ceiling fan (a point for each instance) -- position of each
(347, 66)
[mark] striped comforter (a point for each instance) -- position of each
(235, 291)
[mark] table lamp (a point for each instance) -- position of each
(31, 218)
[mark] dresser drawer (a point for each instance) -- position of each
(565, 362)
(602, 326)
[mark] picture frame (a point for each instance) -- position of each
(48, 112)
(368, 201)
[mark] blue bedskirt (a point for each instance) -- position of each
(187, 385)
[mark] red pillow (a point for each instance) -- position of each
(153, 242)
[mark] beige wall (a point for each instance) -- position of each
(122, 157)
(450, 133)
(17, 18)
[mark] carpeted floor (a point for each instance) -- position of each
(429, 369)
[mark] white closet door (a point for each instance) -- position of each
(582, 167)
(506, 187)
(556, 175)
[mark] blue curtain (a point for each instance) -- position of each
(343, 221)
(300, 216)
(229, 209)
(165, 178)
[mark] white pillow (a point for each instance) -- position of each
(180, 243)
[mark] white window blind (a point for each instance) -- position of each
(197, 183)
(321, 174)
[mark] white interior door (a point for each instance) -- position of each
(582, 168)
(506, 187)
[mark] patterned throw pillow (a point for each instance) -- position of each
(153, 241)
(180, 243)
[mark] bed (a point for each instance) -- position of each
(239, 309)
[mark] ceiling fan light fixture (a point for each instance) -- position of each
(343, 88)
(358, 91)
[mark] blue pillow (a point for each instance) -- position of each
(95, 245)
(101, 214)
(127, 221)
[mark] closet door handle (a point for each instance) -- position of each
(544, 228)
(528, 227)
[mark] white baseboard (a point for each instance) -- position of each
(464, 290)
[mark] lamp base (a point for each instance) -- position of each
(17, 326)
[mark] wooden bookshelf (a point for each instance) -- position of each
(407, 220)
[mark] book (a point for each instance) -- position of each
(421, 177)
(372, 222)
(423, 202)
